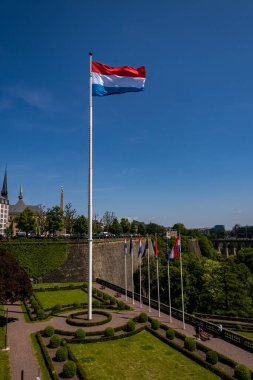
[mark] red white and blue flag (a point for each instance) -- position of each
(140, 248)
(108, 80)
(145, 248)
(125, 248)
(176, 249)
(155, 247)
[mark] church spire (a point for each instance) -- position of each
(20, 195)
(4, 191)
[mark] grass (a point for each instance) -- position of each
(5, 373)
(53, 284)
(2, 327)
(63, 297)
(139, 357)
(247, 334)
(44, 372)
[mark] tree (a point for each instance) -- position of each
(206, 247)
(126, 225)
(142, 229)
(54, 219)
(108, 219)
(116, 227)
(14, 282)
(80, 225)
(41, 219)
(245, 255)
(26, 221)
(180, 228)
(69, 218)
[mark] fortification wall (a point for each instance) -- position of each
(108, 263)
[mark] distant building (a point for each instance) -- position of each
(4, 206)
(170, 233)
(242, 232)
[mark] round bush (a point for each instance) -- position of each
(190, 344)
(80, 334)
(121, 305)
(170, 334)
(211, 357)
(40, 313)
(113, 301)
(106, 297)
(130, 326)
(94, 292)
(57, 308)
(109, 331)
(55, 341)
(69, 369)
(155, 324)
(143, 318)
(242, 372)
(48, 331)
(61, 354)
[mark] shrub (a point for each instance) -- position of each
(40, 314)
(55, 341)
(211, 357)
(96, 303)
(242, 372)
(170, 334)
(190, 344)
(155, 324)
(57, 308)
(106, 297)
(61, 354)
(113, 301)
(69, 369)
(238, 327)
(76, 305)
(99, 293)
(121, 305)
(109, 331)
(142, 318)
(48, 331)
(80, 334)
(94, 292)
(71, 286)
(130, 326)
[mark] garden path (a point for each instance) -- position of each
(22, 356)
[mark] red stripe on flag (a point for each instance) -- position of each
(124, 71)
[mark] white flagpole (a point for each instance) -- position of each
(90, 200)
(140, 282)
(125, 271)
(182, 285)
(158, 290)
(149, 309)
(132, 271)
(169, 289)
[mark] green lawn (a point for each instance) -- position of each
(39, 356)
(53, 284)
(248, 334)
(63, 297)
(139, 357)
(4, 366)
(2, 328)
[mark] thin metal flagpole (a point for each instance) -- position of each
(168, 265)
(131, 251)
(182, 285)
(157, 274)
(90, 199)
(125, 254)
(140, 281)
(149, 309)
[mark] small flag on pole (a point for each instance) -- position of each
(131, 247)
(155, 247)
(140, 248)
(176, 249)
(108, 80)
(125, 248)
(145, 248)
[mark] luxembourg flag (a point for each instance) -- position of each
(108, 80)
(140, 248)
(176, 249)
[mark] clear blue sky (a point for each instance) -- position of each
(180, 151)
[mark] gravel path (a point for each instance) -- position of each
(22, 356)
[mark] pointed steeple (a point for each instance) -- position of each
(4, 191)
(20, 195)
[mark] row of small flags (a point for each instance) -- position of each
(176, 249)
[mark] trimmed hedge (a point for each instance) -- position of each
(211, 357)
(242, 372)
(130, 326)
(55, 341)
(48, 331)
(142, 318)
(80, 334)
(109, 331)
(71, 321)
(170, 333)
(190, 344)
(155, 324)
(61, 354)
(47, 358)
(69, 369)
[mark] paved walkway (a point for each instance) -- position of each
(22, 356)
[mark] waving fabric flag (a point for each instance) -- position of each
(145, 248)
(167, 250)
(108, 80)
(176, 249)
(125, 247)
(140, 248)
(131, 247)
(155, 247)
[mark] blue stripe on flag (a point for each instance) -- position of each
(98, 90)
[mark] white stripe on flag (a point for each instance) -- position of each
(117, 81)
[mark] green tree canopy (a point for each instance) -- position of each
(126, 225)
(54, 219)
(80, 225)
(245, 256)
(116, 227)
(26, 221)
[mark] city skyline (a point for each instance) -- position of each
(180, 151)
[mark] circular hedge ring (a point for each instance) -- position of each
(72, 319)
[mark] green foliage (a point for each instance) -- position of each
(211, 357)
(115, 228)
(130, 326)
(48, 331)
(80, 334)
(155, 324)
(142, 318)
(170, 334)
(37, 257)
(80, 225)
(26, 221)
(245, 256)
(54, 219)
(55, 341)
(57, 308)
(206, 247)
(40, 314)
(61, 354)
(76, 305)
(190, 344)
(69, 369)
(242, 372)
(109, 331)
(125, 225)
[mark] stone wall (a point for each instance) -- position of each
(108, 263)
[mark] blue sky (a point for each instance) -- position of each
(180, 151)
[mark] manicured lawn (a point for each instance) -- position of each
(139, 357)
(63, 297)
(2, 328)
(4, 366)
(44, 372)
(248, 334)
(53, 284)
